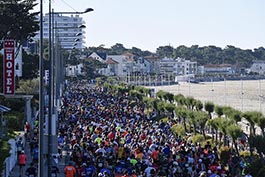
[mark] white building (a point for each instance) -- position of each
(66, 30)
(185, 67)
(217, 69)
(167, 66)
(74, 70)
(258, 66)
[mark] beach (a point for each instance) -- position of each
(243, 95)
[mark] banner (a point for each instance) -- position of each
(9, 67)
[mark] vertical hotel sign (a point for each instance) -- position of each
(9, 67)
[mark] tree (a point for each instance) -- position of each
(165, 51)
(17, 20)
(161, 94)
(169, 97)
(180, 99)
(30, 66)
(209, 107)
(201, 119)
(198, 105)
(218, 110)
(213, 123)
(117, 49)
(170, 108)
(234, 132)
(261, 124)
(252, 117)
(190, 102)
(181, 113)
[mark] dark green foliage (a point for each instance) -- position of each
(16, 20)
(15, 121)
(30, 66)
(209, 107)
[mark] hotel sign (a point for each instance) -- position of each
(9, 67)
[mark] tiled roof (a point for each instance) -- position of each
(111, 61)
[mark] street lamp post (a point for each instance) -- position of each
(41, 96)
(53, 65)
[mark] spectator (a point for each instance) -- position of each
(22, 162)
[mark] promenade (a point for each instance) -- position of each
(16, 172)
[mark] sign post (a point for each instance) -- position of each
(9, 67)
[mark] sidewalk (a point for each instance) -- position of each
(15, 171)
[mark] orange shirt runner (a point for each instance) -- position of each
(69, 171)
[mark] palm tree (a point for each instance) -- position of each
(190, 102)
(170, 108)
(201, 119)
(160, 94)
(181, 113)
(213, 123)
(209, 107)
(169, 97)
(192, 120)
(261, 124)
(252, 117)
(222, 124)
(180, 99)
(234, 131)
(198, 105)
(218, 110)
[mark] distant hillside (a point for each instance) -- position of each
(203, 55)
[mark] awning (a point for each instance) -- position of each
(4, 108)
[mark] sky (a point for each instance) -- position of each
(148, 24)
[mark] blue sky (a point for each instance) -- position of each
(148, 24)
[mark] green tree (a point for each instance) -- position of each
(213, 123)
(201, 119)
(234, 132)
(209, 107)
(252, 117)
(161, 94)
(198, 105)
(165, 51)
(18, 22)
(218, 110)
(181, 113)
(30, 66)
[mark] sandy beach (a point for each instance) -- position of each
(246, 95)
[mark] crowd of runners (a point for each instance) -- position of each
(101, 133)
(105, 136)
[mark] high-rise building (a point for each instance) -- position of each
(66, 30)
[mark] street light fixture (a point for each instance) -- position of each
(51, 80)
(86, 11)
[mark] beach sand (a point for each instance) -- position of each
(245, 95)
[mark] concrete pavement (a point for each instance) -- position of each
(16, 172)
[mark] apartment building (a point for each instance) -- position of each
(67, 30)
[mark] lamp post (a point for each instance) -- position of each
(52, 65)
(41, 96)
